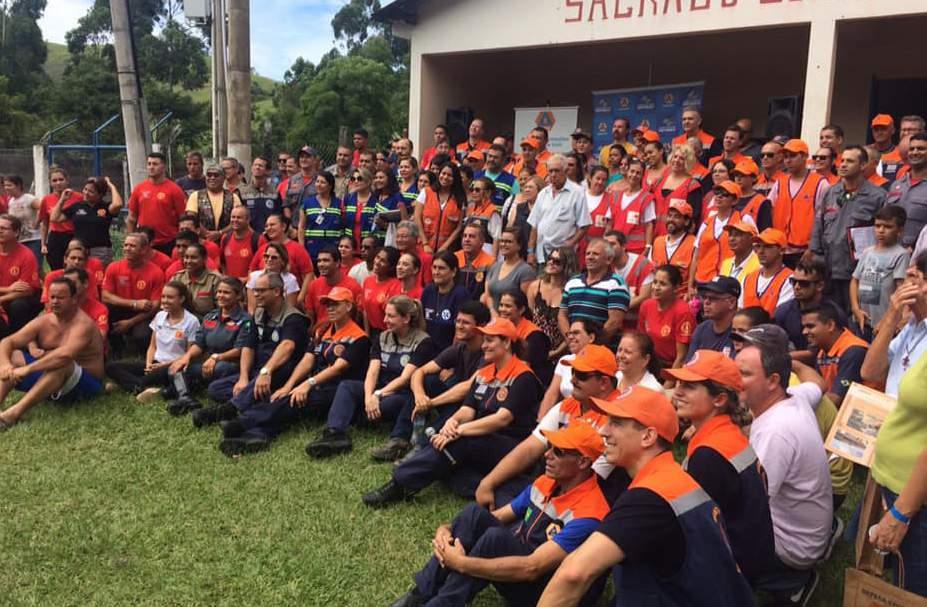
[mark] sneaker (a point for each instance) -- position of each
(332, 442)
(236, 447)
(803, 595)
(394, 449)
(213, 415)
(836, 531)
(413, 598)
(110, 386)
(183, 405)
(148, 395)
(390, 493)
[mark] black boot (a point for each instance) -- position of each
(214, 415)
(332, 442)
(390, 493)
(413, 598)
(183, 405)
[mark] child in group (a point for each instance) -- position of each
(881, 269)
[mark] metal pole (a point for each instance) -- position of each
(240, 82)
(134, 114)
(220, 101)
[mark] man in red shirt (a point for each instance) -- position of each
(75, 258)
(440, 134)
(132, 292)
(275, 230)
(19, 279)
(91, 306)
(360, 139)
(190, 221)
(157, 202)
(330, 276)
(240, 245)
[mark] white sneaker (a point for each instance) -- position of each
(148, 395)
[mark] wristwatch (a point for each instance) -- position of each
(378, 393)
(312, 382)
(264, 371)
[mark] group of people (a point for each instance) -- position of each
(536, 331)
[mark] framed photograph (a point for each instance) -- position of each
(853, 435)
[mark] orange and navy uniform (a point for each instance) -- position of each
(879, 181)
(495, 388)
(840, 365)
(752, 208)
(794, 215)
(764, 183)
(630, 221)
(892, 163)
(743, 502)
(439, 223)
(707, 573)
(769, 298)
(332, 343)
(706, 139)
(712, 251)
(473, 274)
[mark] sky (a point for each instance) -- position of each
(281, 30)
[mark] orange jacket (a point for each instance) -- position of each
(795, 216)
(712, 251)
(439, 223)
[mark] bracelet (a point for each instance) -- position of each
(898, 516)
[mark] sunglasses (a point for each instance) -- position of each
(356, 178)
(584, 375)
(558, 452)
(768, 155)
(475, 189)
(820, 157)
(271, 257)
(796, 282)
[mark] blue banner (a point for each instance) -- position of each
(657, 107)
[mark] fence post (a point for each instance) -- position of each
(40, 168)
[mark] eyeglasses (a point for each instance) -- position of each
(767, 155)
(558, 452)
(356, 178)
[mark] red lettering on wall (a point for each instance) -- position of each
(578, 5)
(728, 3)
(619, 14)
(667, 3)
(700, 7)
(652, 3)
(601, 5)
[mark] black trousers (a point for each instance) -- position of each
(130, 375)
(135, 342)
(57, 245)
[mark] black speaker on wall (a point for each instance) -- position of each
(458, 123)
(784, 117)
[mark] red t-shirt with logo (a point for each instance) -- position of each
(158, 206)
(376, 294)
(96, 269)
(212, 253)
(144, 282)
(319, 288)
(160, 259)
(48, 203)
(177, 266)
(19, 264)
(236, 255)
(93, 287)
(666, 327)
(300, 264)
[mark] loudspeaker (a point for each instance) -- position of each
(784, 117)
(458, 124)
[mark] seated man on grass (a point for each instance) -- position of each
(518, 546)
(71, 367)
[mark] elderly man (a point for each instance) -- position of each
(597, 293)
(19, 278)
(213, 205)
(276, 346)
(132, 292)
(548, 520)
(850, 203)
(71, 365)
(560, 217)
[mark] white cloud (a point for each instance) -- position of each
(61, 16)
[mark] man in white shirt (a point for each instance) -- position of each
(560, 216)
(786, 439)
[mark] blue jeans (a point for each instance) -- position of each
(913, 551)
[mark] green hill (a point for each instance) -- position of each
(58, 57)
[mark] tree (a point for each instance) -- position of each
(22, 48)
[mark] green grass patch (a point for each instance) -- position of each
(117, 503)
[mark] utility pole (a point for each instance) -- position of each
(219, 100)
(239, 109)
(134, 111)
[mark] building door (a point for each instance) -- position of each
(898, 97)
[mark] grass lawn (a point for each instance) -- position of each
(116, 503)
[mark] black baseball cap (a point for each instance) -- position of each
(581, 134)
(723, 285)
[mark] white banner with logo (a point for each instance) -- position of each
(560, 122)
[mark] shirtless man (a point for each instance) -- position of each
(72, 365)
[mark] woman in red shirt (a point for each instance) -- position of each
(379, 287)
(56, 235)
(667, 319)
(407, 271)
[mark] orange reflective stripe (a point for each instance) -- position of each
(722, 435)
(665, 477)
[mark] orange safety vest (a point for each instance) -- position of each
(738, 157)
(681, 258)
(439, 223)
(795, 216)
(630, 221)
(706, 139)
(828, 362)
(753, 208)
(661, 202)
(769, 298)
(712, 251)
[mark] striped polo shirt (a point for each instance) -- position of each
(593, 301)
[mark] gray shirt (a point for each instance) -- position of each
(839, 211)
(558, 216)
(913, 199)
(521, 273)
(877, 271)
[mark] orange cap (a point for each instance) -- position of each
(578, 436)
(475, 155)
(709, 365)
(594, 359)
(742, 226)
(337, 294)
(883, 120)
(747, 167)
(502, 327)
(531, 142)
(796, 146)
(647, 407)
(682, 206)
(641, 128)
(772, 236)
(651, 136)
(730, 187)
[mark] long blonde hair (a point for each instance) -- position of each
(411, 308)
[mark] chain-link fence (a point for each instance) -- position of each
(18, 161)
